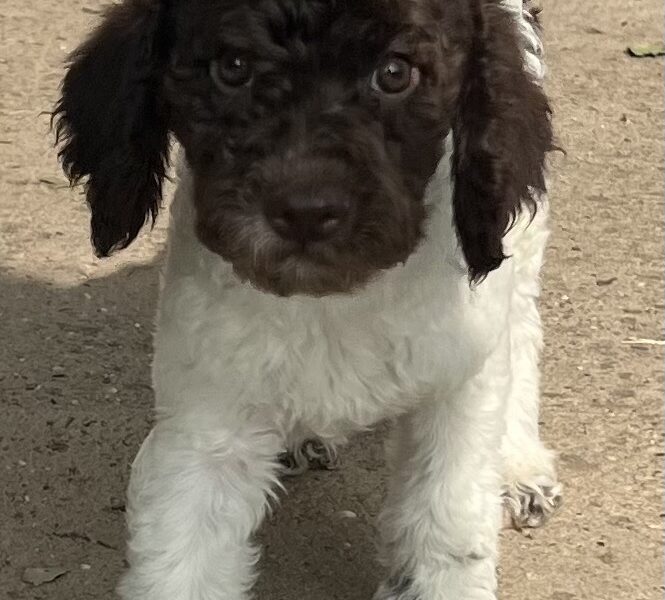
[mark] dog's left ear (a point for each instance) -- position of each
(110, 123)
(502, 133)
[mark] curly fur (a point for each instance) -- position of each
(263, 341)
(120, 149)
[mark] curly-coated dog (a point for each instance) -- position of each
(356, 236)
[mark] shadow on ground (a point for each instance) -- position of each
(76, 398)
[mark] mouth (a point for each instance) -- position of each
(305, 273)
(286, 268)
(291, 268)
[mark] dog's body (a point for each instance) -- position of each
(242, 375)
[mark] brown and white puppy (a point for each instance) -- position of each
(337, 256)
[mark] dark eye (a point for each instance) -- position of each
(395, 75)
(231, 70)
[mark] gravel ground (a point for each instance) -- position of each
(75, 344)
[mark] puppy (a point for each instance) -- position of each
(356, 236)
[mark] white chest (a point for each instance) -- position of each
(328, 365)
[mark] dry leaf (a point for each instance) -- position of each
(646, 50)
(347, 514)
(41, 575)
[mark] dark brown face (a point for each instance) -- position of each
(312, 129)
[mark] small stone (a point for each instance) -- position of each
(347, 514)
(602, 281)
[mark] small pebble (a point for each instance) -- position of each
(347, 514)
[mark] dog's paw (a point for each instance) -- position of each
(398, 587)
(311, 454)
(530, 505)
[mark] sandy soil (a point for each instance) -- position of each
(75, 344)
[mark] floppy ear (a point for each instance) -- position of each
(111, 126)
(502, 133)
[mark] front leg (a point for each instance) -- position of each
(441, 523)
(195, 498)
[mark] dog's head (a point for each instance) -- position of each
(312, 128)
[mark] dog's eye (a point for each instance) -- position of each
(231, 70)
(395, 75)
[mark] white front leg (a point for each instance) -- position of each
(194, 500)
(441, 523)
(531, 491)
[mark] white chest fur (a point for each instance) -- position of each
(327, 365)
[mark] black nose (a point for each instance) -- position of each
(306, 218)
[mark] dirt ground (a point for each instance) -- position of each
(75, 344)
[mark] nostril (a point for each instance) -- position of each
(330, 222)
(308, 219)
(286, 221)
(289, 215)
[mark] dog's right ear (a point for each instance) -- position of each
(111, 124)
